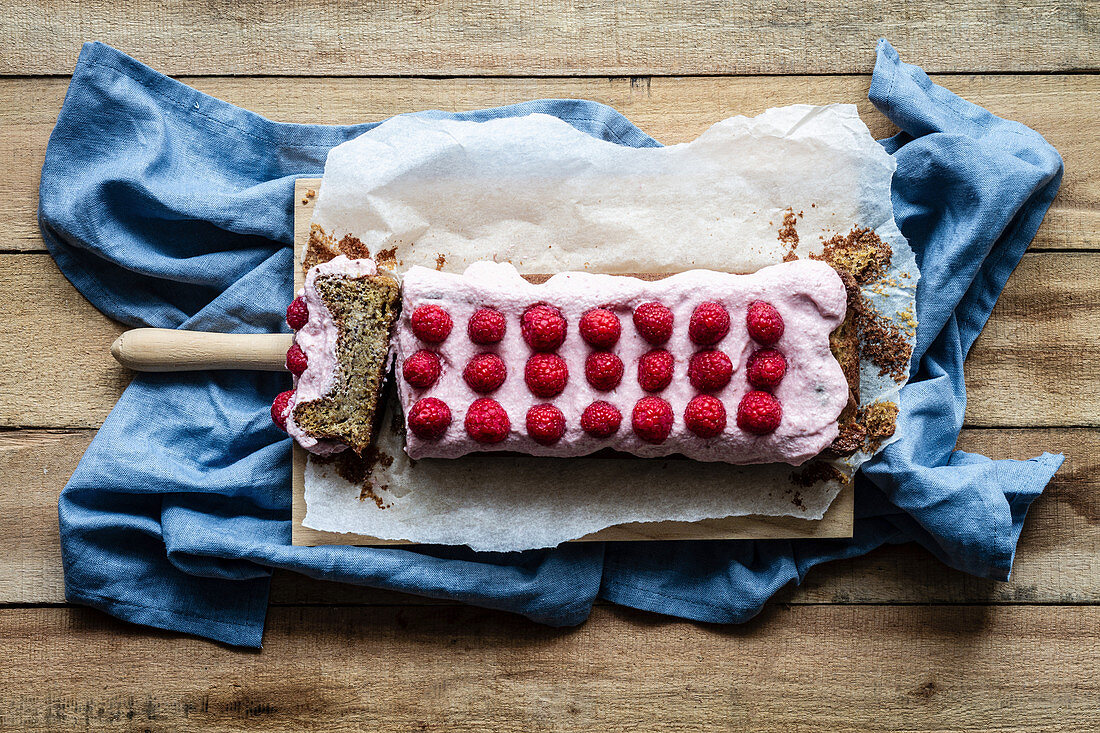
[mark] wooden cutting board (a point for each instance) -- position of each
(837, 521)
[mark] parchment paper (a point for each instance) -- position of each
(537, 192)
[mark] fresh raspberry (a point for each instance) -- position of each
(705, 416)
(600, 328)
(601, 419)
(655, 370)
(766, 368)
(543, 327)
(431, 323)
(486, 326)
(652, 419)
(710, 322)
(279, 409)
(764, 323)
(654, 322)
(545, 424)
(759, 413)
(603, 370)
(487, 422)
(296, 360)
(709, 370)
(429, 418)
(546, 374)
(422, 369)
(485, 373)
(297, 313)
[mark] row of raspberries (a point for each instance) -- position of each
(547, 374)
(543, 326)
(487, 422)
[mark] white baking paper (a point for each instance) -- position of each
(537, 192)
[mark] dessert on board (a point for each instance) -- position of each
(741, 369)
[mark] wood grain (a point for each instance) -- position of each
(837, 668)
(1045, 333)
(57, 370)
(552, 37)
(1012, 379)
(1055, 562)
(671, 109)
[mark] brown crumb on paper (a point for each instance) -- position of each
(861, 252)
(386, 258)
(353, 248)
(908, 319)
(880, 419)
(851, 437)
(788, 234)
(320, 248)
(356, 470)
(883, 343)
(817, 472)
(440, 261)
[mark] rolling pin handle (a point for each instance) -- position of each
(170, 350)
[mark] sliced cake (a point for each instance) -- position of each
(343, 320)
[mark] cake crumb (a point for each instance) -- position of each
(816, 472)
(353, 248)
(320, 248)
(440, 261)
(883, 343)
(908, 319)
(880, 419)
(356, 469)
(788, 234)
(860, 252)
(386, 257)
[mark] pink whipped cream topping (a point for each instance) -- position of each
(808, 294)
(318, 340)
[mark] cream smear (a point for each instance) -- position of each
(807, 293)
(318, 340)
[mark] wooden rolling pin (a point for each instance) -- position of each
(169, 350)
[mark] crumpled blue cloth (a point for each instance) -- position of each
(166, 207)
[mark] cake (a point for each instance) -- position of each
(343, 319)
(756, 368)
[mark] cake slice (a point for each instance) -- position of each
(343, 319)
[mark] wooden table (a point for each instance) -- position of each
(889, 641)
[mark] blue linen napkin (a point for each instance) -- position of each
(166, 207)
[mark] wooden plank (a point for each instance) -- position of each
(1012, 378)
(34, 465)
(58, 370)
(555, 37)
(1043, 333)
(838, 668)
(1055, 562)
(671, 109)
(837, 521)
